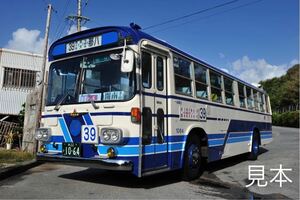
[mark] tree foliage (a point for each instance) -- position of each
(284, 90)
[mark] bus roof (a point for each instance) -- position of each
(123, 32)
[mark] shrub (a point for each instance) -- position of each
(289, 119)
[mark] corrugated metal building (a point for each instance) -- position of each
(19, 73)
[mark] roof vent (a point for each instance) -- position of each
(135, 26)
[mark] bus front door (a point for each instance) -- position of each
(154, 123)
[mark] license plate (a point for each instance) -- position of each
(71, 149)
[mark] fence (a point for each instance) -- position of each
(5, 129)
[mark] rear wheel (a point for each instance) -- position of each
(255, 147)
(192, 159)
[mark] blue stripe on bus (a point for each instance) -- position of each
(266, 136)
(240, 139)
(57, 138)
(215, 142)
(231, 135)
(213, 139)
(215, 136)
(51, 148)
(87, 119)
(65, 130)
(109, 113)
(108, 38)
(266, 133)
(51, 116)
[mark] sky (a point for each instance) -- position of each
(251, 39)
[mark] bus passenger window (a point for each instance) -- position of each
(147, 126)
(249, 98)
(182, 72)
(228, 91)
(216, 89)
(146, 70)
(160, 73)
(241, 95)
(160, 126)
(261, 102)
(267, 105)
(201, 83)
(255, 96)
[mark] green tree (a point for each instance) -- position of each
(284, 90)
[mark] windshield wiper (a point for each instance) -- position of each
(57, 106)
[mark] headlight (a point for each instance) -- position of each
(111, 136)
(43, 134)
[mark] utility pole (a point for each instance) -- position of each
(35, 101)
(78, 18)
(78, 15)
(42, 82)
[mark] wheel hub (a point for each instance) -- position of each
(194, 156)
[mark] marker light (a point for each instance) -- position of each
(43, 148)
(135, 115)
(111, 153)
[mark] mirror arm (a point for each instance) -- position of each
(94, 105)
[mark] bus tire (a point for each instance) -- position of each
(192, 159)
(255, 147)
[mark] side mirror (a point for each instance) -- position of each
(127, 61)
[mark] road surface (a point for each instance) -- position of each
(224, 179)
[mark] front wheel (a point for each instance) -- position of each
(255, 147)
(192, 159)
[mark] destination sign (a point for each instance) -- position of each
(85, 43)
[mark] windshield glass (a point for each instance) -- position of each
(95, 77)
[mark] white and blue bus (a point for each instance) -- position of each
(120, 99)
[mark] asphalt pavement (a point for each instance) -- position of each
(225, 179)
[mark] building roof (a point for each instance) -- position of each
(20, 52)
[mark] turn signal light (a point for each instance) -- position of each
(135, 115)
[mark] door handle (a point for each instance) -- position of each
(158, 102)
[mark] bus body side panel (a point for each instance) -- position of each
(229, 130)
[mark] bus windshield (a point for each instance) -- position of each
(89, 78)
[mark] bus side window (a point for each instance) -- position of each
(216, 89)
(146, 70)
(160, 126)
(160, 73)
(242, 95)
(255, 96)
(147, 125)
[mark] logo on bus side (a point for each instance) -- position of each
(190, 113)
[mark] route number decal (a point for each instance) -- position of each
(89, 134)
(191, 113)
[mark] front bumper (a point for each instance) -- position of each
(107, 164)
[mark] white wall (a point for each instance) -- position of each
(11, 100)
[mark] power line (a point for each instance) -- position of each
(191, 14)
(63, 16)
(208, 16)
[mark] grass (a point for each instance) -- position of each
(14, 156)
